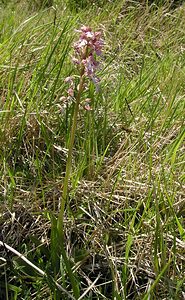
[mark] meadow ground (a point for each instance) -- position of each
(125, 215)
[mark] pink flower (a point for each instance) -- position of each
(63, 99)
(70, 92)
(75, 61)
(90, 40)
(89, 66)
(87, 104)
(70, 82)
(87, 107)
(87, 48)
(85, 28)
(68, 79)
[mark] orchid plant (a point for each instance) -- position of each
(86, 51)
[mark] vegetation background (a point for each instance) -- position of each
(124, 221)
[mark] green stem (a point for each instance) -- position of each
(60, 221)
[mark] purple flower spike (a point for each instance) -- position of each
(86, 49)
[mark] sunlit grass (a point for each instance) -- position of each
(124, 220)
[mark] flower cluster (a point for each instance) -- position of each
(86, 49)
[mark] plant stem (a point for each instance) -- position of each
(69, 158)
(60, 221)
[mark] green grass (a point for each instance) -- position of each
(124, 220)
